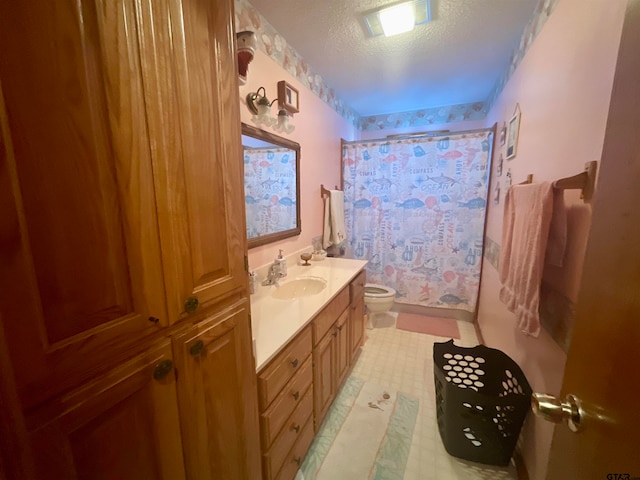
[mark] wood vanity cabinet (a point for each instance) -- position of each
(121, 229)
(285, 389)
(356, 315)
(338, 335)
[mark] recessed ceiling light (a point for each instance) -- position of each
(397, 18)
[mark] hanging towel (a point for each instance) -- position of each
(334, 230)
(557, 242)
(525, 229)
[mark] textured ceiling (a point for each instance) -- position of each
(455, 59)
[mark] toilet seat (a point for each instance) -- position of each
(373, 290)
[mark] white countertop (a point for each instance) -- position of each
(274, 322)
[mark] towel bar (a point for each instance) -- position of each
(584, 181)
(324, 191)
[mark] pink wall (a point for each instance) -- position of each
(318, 131)
(563, 86)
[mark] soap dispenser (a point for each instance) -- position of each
(281, 264)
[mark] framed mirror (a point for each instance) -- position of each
(271, 186)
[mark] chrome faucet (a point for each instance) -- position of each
(273, 275)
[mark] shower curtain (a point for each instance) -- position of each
(415, 209)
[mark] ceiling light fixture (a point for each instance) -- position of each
(397, 18)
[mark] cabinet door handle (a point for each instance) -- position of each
(191, 304)
(298, 460)
(196, 349)
(294, 363)
(296, 395)
(154, 320)
(295, 427)
(162, 370)
(335, 334)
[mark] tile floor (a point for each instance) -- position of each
(403, 361)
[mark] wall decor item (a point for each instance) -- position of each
(496, 194)
(271, 186)
(503, 133)
(514, 127)
(288, 97)
(499, 166)
(246, 44)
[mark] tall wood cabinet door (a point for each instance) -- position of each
(324, 376)
(79, 247)
(343, 347)
(356, 325)
(195, 122)
(123, 425)
(218, 397)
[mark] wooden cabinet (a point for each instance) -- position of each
(324, 377)
(192, 94)
(79, 243)
(218, 401)
(338, 335)
(121, 226)
(122, 425)
(356, 318)
(286, 408)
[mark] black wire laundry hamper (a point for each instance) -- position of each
(482, 400)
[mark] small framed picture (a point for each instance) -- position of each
(512, 138)
(503, 133)
(288, 97)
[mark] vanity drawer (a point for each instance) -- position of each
(279, 411)
(292, 430)
(296, 455)
(357, 285)
(279, 371)
(323, 321)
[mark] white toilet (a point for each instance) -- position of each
(378, 299)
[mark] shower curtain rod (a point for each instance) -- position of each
(437, 133)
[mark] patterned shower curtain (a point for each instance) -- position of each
(415, 209)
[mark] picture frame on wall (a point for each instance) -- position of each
(512, 137)
(503, 134)
(288, 97)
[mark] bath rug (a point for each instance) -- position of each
(373, 438)
(439, 327)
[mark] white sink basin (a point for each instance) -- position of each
(300, 287)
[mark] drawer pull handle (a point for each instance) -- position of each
(335, 334)
(296, 395)
(298, 460)
(155, 320)
(295, 427)
(294, 363)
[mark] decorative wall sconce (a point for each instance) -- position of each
(260, 106)
(283, 124)
(246, 45)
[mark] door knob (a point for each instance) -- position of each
(551, 409)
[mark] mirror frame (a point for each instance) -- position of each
(291, 145)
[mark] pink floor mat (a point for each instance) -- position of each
(439, 327)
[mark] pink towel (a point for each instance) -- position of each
(557, 242)
(527, 216)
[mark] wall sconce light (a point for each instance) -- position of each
(260, 106)
(282, 124)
